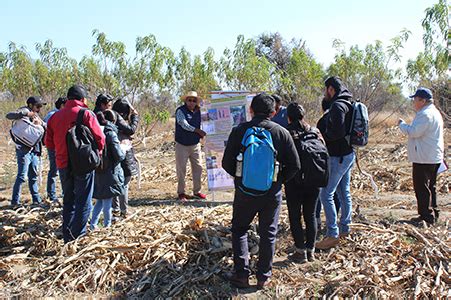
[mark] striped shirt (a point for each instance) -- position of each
(181, 120)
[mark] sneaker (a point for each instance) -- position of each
(200, 196)
(298, 256)
(116, 213)
(310, 255)
(239, 282)
(262, 284)
(327, 243)
(124, 214)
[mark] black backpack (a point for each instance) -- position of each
(105, 159)
(314, 159)
(358, 133)
(81, 147)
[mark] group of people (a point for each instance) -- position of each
(112, 127)
(425, 151)
(278, 127)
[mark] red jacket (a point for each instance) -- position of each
(60, 123)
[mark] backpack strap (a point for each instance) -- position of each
(350, 104)
(80, 116)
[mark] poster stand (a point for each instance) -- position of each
(220, 115)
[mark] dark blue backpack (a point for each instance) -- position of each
(259, 160)
(358, 132)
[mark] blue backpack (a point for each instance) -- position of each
(259, 161)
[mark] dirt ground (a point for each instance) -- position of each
(384, 158)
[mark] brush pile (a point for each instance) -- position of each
(172, 250)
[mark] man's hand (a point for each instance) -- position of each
(31, 114)
(200, 132)
(134, 111)
(37, 121)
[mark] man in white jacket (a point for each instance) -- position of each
(425, 150)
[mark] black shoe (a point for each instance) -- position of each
(418, 221)
(239, 282)
(310, 255)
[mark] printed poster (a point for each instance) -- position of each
(224, 111)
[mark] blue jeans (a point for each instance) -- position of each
(27, 165)
(52, 177)
(318, 206)
(244, 210)
(77, 203)
(106, 206)
(340, 182)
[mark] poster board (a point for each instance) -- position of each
(220, 114)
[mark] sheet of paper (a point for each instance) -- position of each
(442, 168)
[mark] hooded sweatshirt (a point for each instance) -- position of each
(335, 124)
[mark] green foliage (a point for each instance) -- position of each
(430, 66)
(367, 72)
(304, 77)
(17, 73)
(197, 74)
(156, 115)
(243, 69)
(154, 76)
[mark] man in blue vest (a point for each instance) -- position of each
(187, 146)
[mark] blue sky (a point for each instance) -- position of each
(198, 24)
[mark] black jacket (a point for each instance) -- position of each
(335, 123)
(287, 155)
(110, 182)
(126, 130)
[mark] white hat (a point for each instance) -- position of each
(191, 94)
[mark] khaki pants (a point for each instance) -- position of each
(194, 154)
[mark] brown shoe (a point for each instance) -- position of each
(262, 284)
(327, 243)
(183, 197)
(343, 235)
(239, 282)
(298, 256)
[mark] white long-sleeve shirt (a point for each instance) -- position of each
(425, 136)
(181, 120)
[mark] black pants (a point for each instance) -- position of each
(245, 208)
(302, 200)
(424, 179)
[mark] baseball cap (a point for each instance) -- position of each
(422, 92)
(76, 92)
(35, 100)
